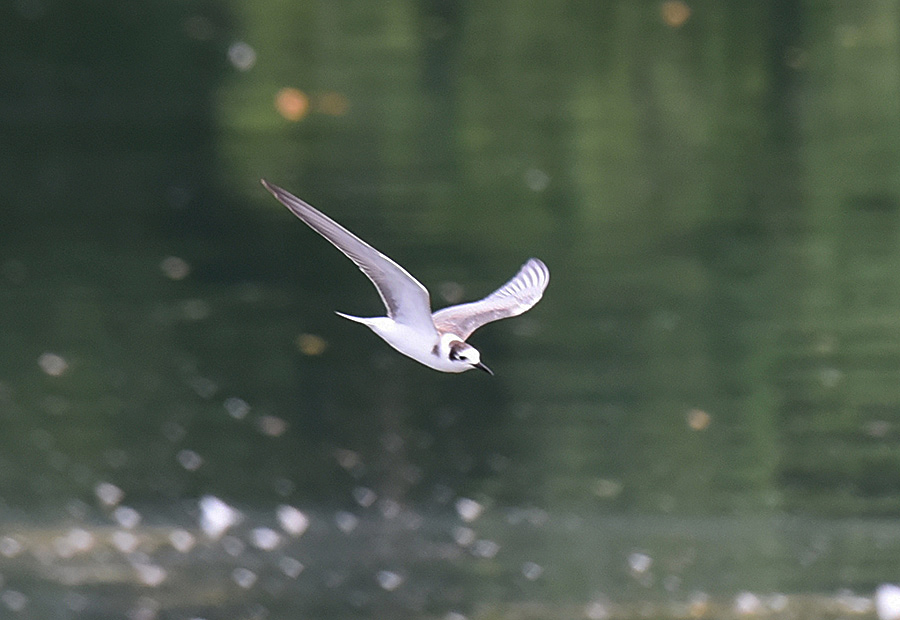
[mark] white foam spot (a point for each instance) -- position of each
(468, 509)
(189, 459)
(291, 520)
(536, 179)
(887, 602)
(150, 574)
(244, 577)
(175, 268)
(747, 603)
(290, 567)
(265, 538)
(10, 547)
(597, 611)
(346, 522)
(108, 493)
(182, 540)
(241, 55)
(126, 542)
(53, 364)
(639, 563)
(14, 600)
(389, 580)
(127, 517)
(464, 536)
(364, 496)
(237, 408)
(216, 517)
(233, 546)
(532, 571)
(485, 548)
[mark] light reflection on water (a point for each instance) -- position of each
(221, 562)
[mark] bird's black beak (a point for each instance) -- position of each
(481, 366)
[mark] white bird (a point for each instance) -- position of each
(437, 340)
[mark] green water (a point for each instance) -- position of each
(705, 403)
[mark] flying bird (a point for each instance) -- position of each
(438, 339)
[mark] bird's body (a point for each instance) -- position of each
(436, 340)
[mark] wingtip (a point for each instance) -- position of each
(541, 266)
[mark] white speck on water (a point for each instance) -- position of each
(127, 517)
(63, 548)
(272, 426)
(346, 522)
(78, 540)
(485, 548)
(747, 604)
(150, 574)
(364, 496)
(10, 547)
(175, 268)
(349, 460)
(597, 611)
(464, 536)
(887, 602)
(244, 577)
(146, 608)
(777, 602)
(241, 55)
(291, 520)
(53, 364)
(389, 509)
(204, 388)
(233, 546)
(124, 541)
(536, 179)
(532, 571)
(468, 509)
(389, 580)
(182, 540)
(216, 517)
(108, 493)
(454, 615)
(698, 604)
(189, 459)
(639, 563)
(290, 567)
(830, 377)
(265, 538)
(14, 600)
(236, 407)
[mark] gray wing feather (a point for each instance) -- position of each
(512, 299)
(404, 297)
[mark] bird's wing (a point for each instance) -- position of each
(512, 299)
(404, 297)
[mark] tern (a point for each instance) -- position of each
(437, 340)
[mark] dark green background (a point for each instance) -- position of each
(718, 205)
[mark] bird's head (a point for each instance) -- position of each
(463, 353)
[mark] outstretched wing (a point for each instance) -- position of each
(404, 297)
(512, 299)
